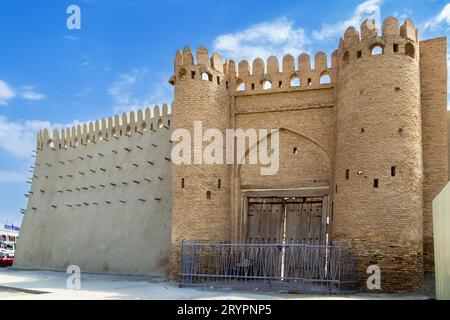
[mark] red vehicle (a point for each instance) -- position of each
(5, 260)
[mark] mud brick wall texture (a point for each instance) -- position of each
(367, 132)
(100, 197)
(376, 135)
(433, 77)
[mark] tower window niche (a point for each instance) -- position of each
(182, 183)
(346, 58)
(219, 184)
(208, 195)
(347, 174)
(376, 183)
(393, 171)
(396, 48)
(409, 50)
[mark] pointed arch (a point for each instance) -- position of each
(282, 129)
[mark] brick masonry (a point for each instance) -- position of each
(433, 76)
(381, 117)
(372, 140)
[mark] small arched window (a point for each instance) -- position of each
(325, 78)
(295, 81)
(267, 85)
(143, 127)
(376, 50)
(206, 76)
(160, 124)
(409, 50)
(240, 85)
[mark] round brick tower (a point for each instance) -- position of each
(378, 178)
(200, 191)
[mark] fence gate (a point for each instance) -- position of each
(288, 266)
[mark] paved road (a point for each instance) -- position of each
(52, 285)
(11, 294)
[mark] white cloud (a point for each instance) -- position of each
(280, 36)
(403, 15)
(18, 138)
(442, 18)
(25, 92)
(121, 89)
(276, 37)
(369, 9)
(28, 93)
(13, 176)
(135, 90)
(71, 38)
(6, 93)
(160, 91)
(84, 92)
(86, 61)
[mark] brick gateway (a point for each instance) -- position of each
(363, 152)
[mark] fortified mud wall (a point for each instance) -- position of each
(100, 197)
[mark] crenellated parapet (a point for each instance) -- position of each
(269, 77)
(203, 67)
(261, 77)
(272, 75)
(394, 39)
(126, 124)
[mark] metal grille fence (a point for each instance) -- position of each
(287, 267)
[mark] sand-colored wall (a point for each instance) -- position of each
(104, 205)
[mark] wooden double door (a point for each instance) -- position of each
(290, 220)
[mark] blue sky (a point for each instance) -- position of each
(122, 57)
